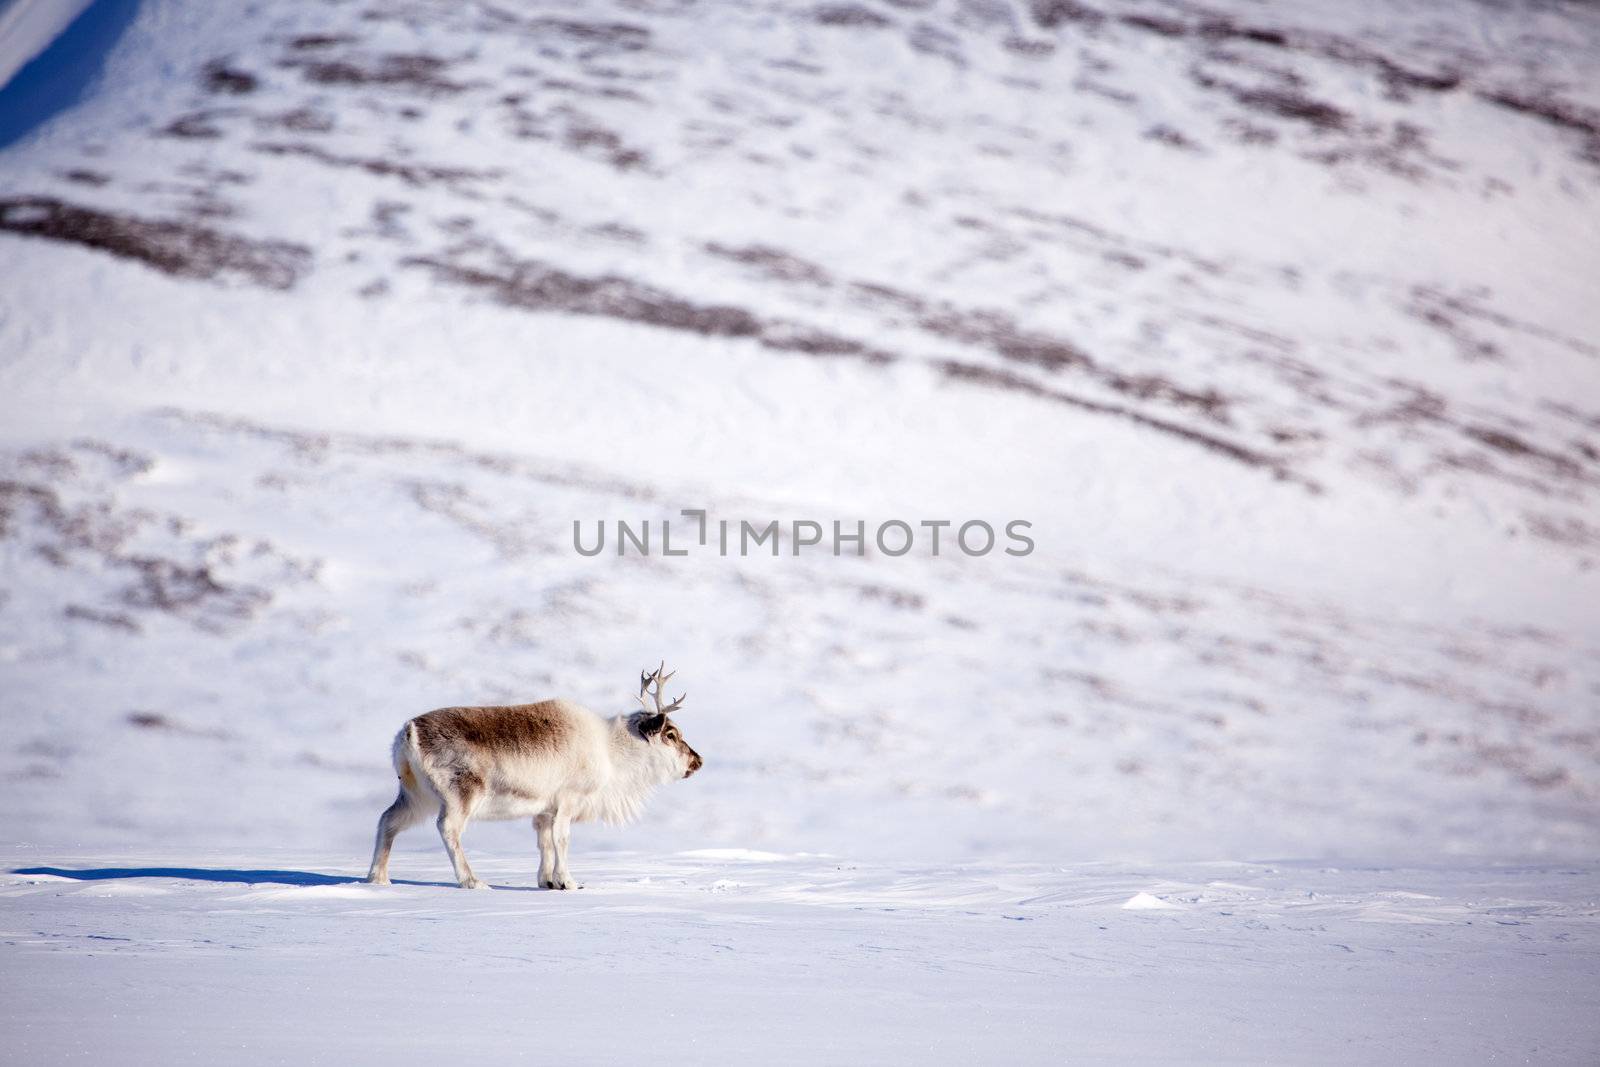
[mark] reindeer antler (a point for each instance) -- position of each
(651, 682)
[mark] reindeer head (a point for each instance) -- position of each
(657, 729)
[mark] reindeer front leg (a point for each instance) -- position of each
(544, 827)
(561, 831)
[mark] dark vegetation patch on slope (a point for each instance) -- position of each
(96, 536)
(540, 286)
(1440, 307)
(1559, 113)
(858, 16)
(1283, 100)
(1210, 28)
(417, 72)
(1001, 334)
(183, 249)
(317, 41)
(220, 76)
(587, 136)
(1048, 14)
(1003, 379)
(986, 328)
(198, 125)
(418, 175)
(772, 262)
(312, 448)
(591, 39)
(619, 36)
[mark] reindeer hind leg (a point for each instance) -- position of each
(407, 810)
(459, 799)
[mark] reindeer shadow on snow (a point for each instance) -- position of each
(210, 874)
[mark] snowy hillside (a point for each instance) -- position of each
(321, 324)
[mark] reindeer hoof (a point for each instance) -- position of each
(474, 883)
(377, 881)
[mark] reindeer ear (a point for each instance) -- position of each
(651, 725)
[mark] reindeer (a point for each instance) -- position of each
(555, 760)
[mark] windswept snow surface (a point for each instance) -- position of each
(321, 324)
(270, 956)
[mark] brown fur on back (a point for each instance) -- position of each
(516, 728)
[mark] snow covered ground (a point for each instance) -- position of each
(320, 325)
(742, 956)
